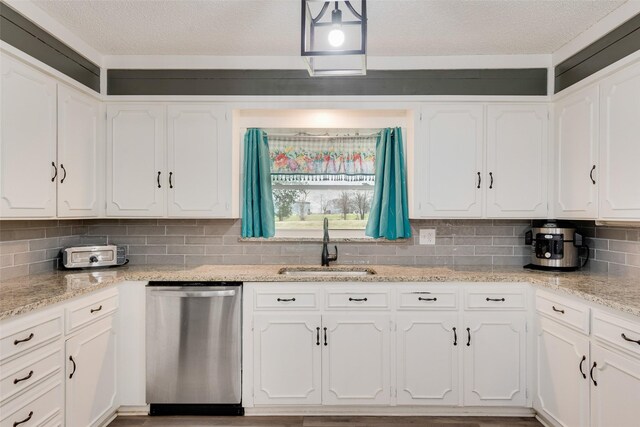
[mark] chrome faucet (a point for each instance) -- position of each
(326, 257)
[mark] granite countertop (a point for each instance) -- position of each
(24, 294)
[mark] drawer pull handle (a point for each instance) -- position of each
(29, 338)
(158, 179)
(17, 380)
(358, 299)
(55, 172)
(591, 175)
(629, 339)
(74, 367)
(495, 299)
(286, 299)
(325, 336)
(468, 337)
(17, 423)
(581, 371)
(318, 336)
(93, 310)
(427, 299)
(557, 310)
(595, 383)
(455, 336)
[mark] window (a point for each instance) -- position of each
(318, 173)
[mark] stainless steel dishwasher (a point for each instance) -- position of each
(193, 343)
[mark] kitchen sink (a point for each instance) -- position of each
(326, 271)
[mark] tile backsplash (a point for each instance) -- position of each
(29, 247)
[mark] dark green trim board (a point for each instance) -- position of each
(613, 46)
(297, 82)
(23, 34)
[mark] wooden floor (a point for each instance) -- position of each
(326, 421)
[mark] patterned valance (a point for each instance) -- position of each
(322, 158)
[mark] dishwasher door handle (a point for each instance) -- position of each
(194, 294)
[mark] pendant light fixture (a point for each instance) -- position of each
(334, 44)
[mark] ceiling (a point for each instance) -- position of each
(272, 27)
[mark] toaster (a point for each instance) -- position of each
(93, 256)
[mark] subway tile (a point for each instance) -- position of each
(52, 253)
(14, 247)
(137, 222)
(508, 241)
(202, 259)
(137, 259)
(221, 250)
(633, 235)
(221, 230)
(185, 250)
(624, 270)
(58, 231)
(611, 233)
(512, 222)
(596, 266)
(455, 231)
(258, 249)
(241, 259)
(511, 260)
(35, 245)
(472, 240)
(434, 260)
(395, 260)
(22, 234)
(146, 230)
(312, 249)
(175, 221)
(281, 260)
(69, 241)
(202, 240)
(166, 259)
(350, 259)
(185, 230)
(16, 224)
(94, 240)
(12, 272)
(419, 250)
(617, 257)
(127, 240)
(28, 257)
(42, 267)
(633, 259)
(147, 250)
(622, 246)
(79, 230)
(6, 260)
(231, 240)
(472, 260)
(494, 231)
(454, 250)
(104, 230)
(376, 250)
(597, 243)
(314, 260)
(522, 250)
(494, 250)
(166, 240)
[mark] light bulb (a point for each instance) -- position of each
(336, 37)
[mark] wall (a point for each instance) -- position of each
(29, 247)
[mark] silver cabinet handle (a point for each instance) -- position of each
(192, 294)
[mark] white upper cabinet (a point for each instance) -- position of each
(517, 161)
(449, 165)
(136, 181)
(576, 139)
(199, 167)
(79, 154)
(28, 161)
(620, 145)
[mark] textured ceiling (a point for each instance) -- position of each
(271, 27)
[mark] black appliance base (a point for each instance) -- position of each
(544, 268)
(195, 409)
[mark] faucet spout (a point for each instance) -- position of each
(326, 257)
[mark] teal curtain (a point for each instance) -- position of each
(257, 209)
(389, 217)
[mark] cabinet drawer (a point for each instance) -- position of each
(23, 372)
(425, 300)
(297, 300)
(621, 333)
(357, 299)
(43, 405)
(563, 310)
(91, 308)
(20, 339)
(507, 299)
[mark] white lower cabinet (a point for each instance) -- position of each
(615, 388)
(495, 357)
(90, 358)
(355, 364)
(563, 366)
(428, 348)
(287, 353)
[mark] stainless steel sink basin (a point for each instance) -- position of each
(326, 271)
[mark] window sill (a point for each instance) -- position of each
(278, 239)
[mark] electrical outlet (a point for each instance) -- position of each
(428, 236)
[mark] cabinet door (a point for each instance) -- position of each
(79, 154)
(199, 142)
(90, 374)
(355, 362)
(576, 122)
(136, 178)
(619, 148)
(494, 359)
(27, 142)
(563, 367)
(614, 400)
(448, 163)
(517, 161)
(427, 358)
(287, 352)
